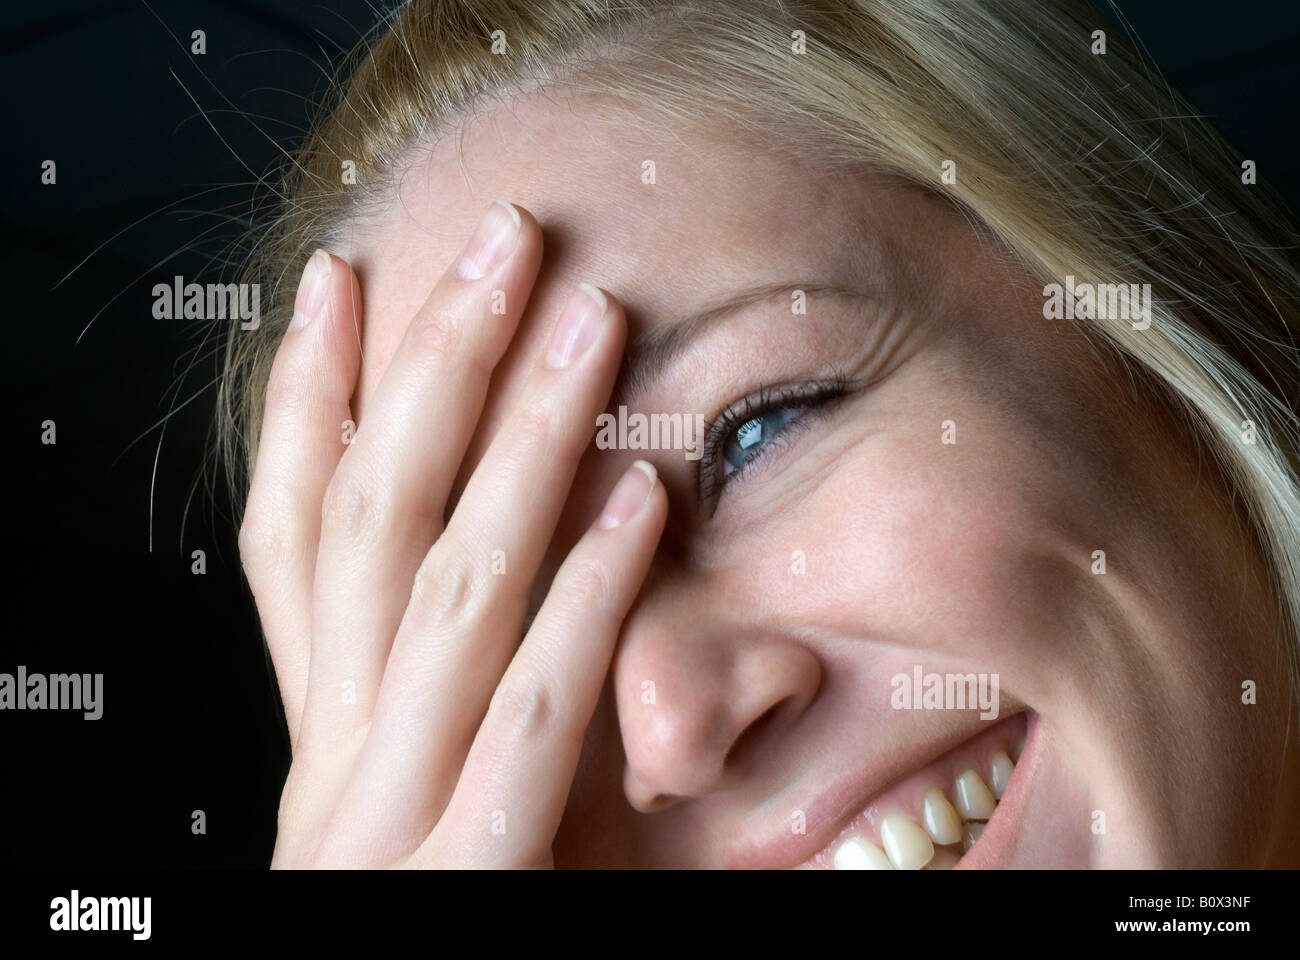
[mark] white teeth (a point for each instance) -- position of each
(940, 819)
(855, 853)
(1002, 770)
(908, 846)
(974, 802)
(933, 845)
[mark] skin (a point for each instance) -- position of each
(769, 685)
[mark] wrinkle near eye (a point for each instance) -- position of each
(854, 339)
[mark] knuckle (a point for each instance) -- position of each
(350, 508)
(547, 427)
(264, 544)
(590, 586)
(525, 707)
(534, 430)
(443, 589)
(442, 335)
(438, 334)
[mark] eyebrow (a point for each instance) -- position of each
(655, 350)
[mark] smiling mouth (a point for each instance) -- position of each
(931, 819)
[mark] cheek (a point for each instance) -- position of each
(935, 550)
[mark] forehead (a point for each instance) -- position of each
(669, 215)
(649, 208)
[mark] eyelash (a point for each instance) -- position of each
(813, 397)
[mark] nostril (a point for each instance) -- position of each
(660, 802)
(752, 734)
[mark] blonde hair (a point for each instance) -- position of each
(1083, 164)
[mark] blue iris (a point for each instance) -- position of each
(751, 437)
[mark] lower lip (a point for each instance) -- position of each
(997, 843)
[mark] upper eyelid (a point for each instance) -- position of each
(768, 395)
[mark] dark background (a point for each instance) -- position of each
(103, 523)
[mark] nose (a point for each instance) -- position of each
(704, 693)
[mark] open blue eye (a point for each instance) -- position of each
(749, 439)
(746, 431)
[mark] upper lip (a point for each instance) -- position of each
(834, 807)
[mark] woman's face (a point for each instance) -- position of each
(933, 470)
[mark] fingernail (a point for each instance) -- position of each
(629, 496)
(312, 289)
(493, 241)
(577, 327)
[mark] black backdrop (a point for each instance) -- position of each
(156, 154)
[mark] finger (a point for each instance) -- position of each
(471, 593)
(507, 806)
(383, 507)
(308, 393)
